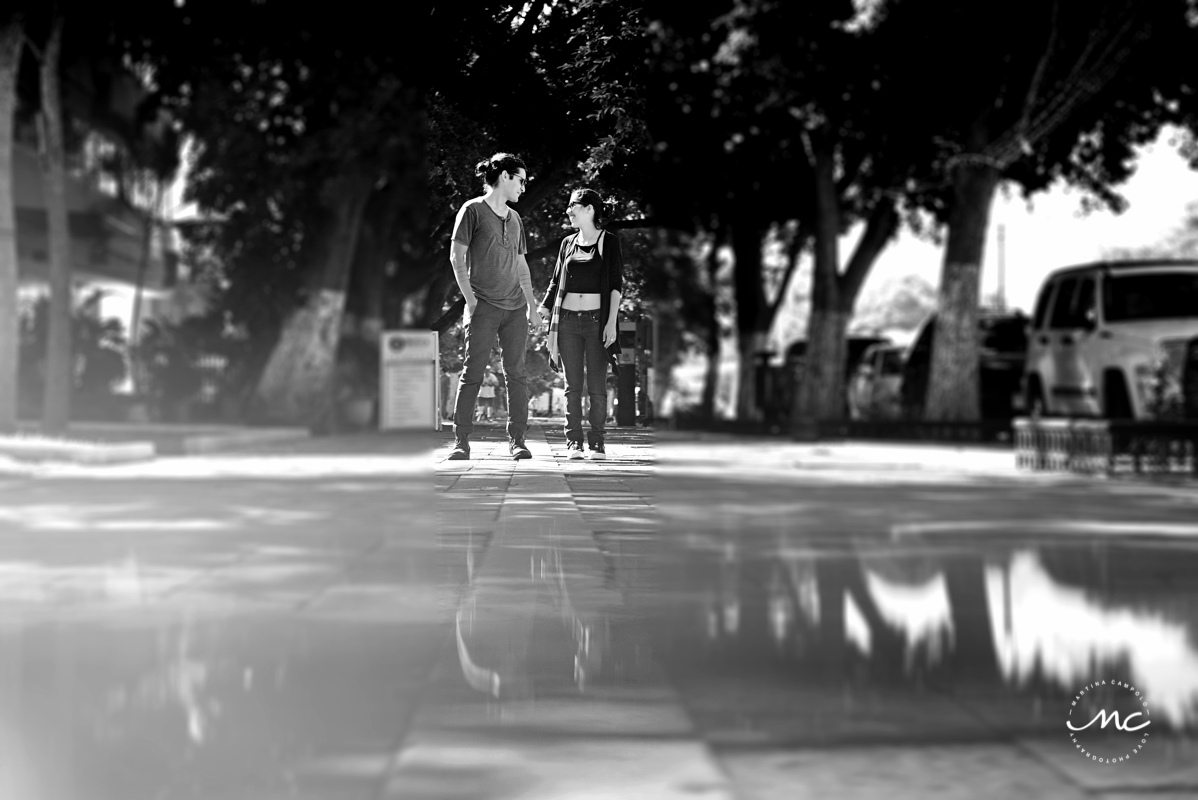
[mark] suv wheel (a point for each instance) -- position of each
(1116, 402)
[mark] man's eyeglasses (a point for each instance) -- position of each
(575, 203)
(523, 182)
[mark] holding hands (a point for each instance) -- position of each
(537, 317)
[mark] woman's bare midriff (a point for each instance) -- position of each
(574, 301)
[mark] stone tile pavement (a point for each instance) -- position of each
(688, 491)
(358, 617)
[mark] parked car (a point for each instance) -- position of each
(874, 388)
(1002, 347)
(776, 385)
(1108, 339)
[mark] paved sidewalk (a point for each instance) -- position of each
(727, 715)
(357, 617)
(560, 698)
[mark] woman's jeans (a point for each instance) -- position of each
(580, 342)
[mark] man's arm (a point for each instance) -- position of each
(461, 273)
(525, 276)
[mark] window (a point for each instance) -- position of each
(892, 362)
(1085, 313)
(1161, 295)
(1042, 306)
(1062, 308)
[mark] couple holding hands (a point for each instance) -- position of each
(580, 306)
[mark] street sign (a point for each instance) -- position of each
(411, 381)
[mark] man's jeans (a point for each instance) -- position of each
(580, 341)
(511, 328)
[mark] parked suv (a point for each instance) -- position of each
(1108, 339)
(1002, 346)
(874, 386)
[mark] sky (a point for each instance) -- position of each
(1050, 230)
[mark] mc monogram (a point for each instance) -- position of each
(1125, 725)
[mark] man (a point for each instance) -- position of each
(489, 264)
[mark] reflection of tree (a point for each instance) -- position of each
(767, 606)
(973, 656)
(1062, 635)
(840, 577)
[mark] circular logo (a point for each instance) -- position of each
(1108, 722)
(396, 344)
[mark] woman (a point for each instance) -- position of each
(583, 302)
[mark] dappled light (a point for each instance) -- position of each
(598, 399)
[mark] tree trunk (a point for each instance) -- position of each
(294, 388)
(665, 356)
(11, 37)
(752, 318)
(60, 372)
(711, 377)
(973, 657)
(953, 382)
(821, 391)
(378, 243)
(434, 301)
(823, 368)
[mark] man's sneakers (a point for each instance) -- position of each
(461, 450)
(597, 451)
(573, 449)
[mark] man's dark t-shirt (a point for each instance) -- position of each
(493, 247)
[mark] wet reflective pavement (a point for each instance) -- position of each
(255, 626)
(838, 630)
(359, 618)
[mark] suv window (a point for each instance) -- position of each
(1042, 306)
(892, 362)
(1062, 309)
(1085, 312)
(1160, 295)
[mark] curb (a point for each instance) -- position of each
(79, 453)
(153, 441)
(203, 444)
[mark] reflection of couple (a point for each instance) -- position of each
(530, 626)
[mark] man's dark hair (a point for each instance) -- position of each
(489, 168)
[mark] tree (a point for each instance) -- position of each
(259, 107)
(1060, 91)
(1181, 242)
(12, 36)
(60, 366)
(899, 304)
(298, 144)
(79, 87)
(788, 136)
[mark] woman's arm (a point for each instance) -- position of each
(615, 280)
(551, 293)
(609, 330)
